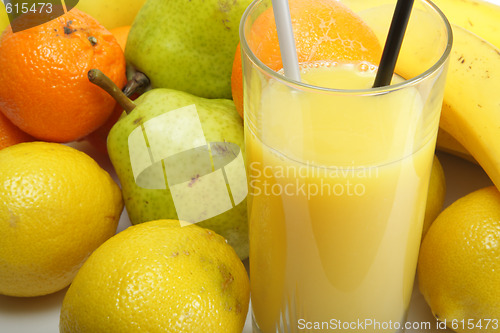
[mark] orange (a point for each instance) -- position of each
(121, 35)
(237, 82)
(10, 134)
(323, 29)
(98, 137)
(44, 89)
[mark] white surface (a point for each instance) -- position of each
(41, 314)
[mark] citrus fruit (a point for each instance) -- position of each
(459, 263)
(44, 89)
(99, 137)
(323, 30)
(10, 134)
(56, 207)
(159, 277)
(111, 13)
(237, 82)
(121, 35)
(435, 195)
(4, 19)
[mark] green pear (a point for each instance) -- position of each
(187, 45)
(179, 156)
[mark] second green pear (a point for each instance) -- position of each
(187, 45)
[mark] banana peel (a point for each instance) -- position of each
(477, 16)
(483, 19)
(446, 143)
(471, 107)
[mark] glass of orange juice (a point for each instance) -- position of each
(338, 171)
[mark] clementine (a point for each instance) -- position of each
(237, 82)
(98, 138)
(121, 35)
(323, 30)
(44, 88)
(10, 134)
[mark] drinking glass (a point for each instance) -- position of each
(338, 181)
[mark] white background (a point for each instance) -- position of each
(41, 314)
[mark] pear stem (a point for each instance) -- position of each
(100, 79)
(137, 84)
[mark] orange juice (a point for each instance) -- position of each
(337, 192)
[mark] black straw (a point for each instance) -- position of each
(393, 43)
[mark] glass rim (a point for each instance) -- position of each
(367, 91)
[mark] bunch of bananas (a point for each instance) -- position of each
(470, 118)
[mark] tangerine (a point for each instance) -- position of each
(323, 29)
(10, 134)
(44, 88)
(121, 35)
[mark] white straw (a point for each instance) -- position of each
(286, 39)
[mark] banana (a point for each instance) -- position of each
(466, 84)
(471, 107)
(483, 19)
(448, 144)
(478, 16)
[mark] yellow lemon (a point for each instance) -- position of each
(4, 19)
(435, 196)
(56, 207)
(459, 263)
(111, 13)
(159, 277)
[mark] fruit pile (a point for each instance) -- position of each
(460, 255)
(146, 91)
(59, 209)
